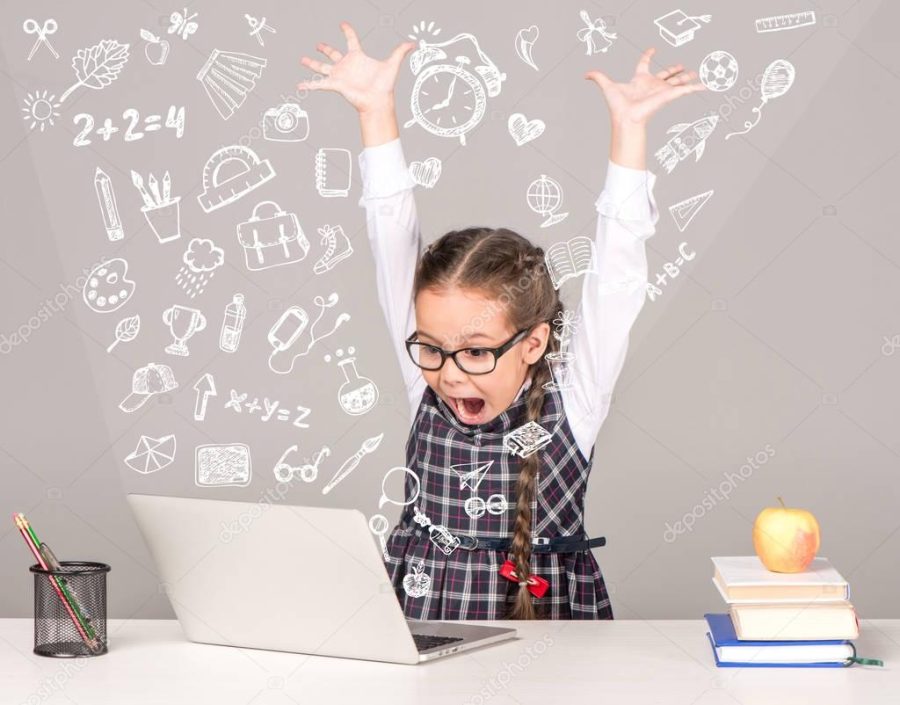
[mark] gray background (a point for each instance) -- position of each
(772, 337)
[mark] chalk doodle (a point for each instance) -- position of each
(687, 138)
(182, 23)
(525, 39)
(107, 287)
(357, 394)
(126, 330)
(40, 110)
(156, 50)
(776, 81)
(109, 208)
(228, 77)
(350, 464)
(271, 408)
(527, 439)
(43, 33)
(670, 271)
(290, 326)
(566, 260)
(152, 123)
(200, 261)
(718, 71)
(595, 35)
(232, 172)
(163, 213)
(684, 211)
(152, 454)
(426, 173)
(308, 472)
(448, 99)
(257, 27)
(523, 130)
(337, 248)
(205, 387)
(334, 168)
(97, 66)
(183, 323)
(218, 465)
(544, 197)
(678, 28)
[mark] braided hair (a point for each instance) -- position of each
(505, 266)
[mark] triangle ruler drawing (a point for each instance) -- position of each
(683, 213)
(471, 474)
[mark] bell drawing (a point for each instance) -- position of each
(227, 77)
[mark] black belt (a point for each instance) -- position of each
(539, 544)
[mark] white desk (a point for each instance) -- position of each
(620, 661)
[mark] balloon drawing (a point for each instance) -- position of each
(777, 79)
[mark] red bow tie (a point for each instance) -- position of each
(537, 586)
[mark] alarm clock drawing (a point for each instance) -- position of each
(449, 99)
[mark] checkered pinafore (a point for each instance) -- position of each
(466, 584)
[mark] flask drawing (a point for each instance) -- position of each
(233, 324)
(357, 394)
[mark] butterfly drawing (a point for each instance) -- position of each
(181, 23)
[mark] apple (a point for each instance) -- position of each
(156, 50)
(417, 583)
(786, 539)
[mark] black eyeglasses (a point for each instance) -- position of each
(472, 361)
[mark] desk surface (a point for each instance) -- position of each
(618, 661)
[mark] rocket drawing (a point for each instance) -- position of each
(689, 137)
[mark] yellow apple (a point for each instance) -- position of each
(786, 539)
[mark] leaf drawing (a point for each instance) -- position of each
(98, 66)
(126, 330)
(148, 36)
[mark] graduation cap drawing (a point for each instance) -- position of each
(677, 28)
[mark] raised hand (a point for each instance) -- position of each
(635, 101)
(366, 83)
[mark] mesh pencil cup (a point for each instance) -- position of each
(70, 609)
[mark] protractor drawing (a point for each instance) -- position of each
(683, 212)
(230, 173)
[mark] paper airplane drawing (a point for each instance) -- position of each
(471, 474)
(684, 211)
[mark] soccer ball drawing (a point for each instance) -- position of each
(719, 71)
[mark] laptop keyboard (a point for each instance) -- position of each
(429, 641)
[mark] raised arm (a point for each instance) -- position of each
(613, 292)
(387, 188)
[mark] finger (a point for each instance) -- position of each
(670, 71)
(318, 84)
(400, 52)
(329, 51)
(643, 65)
(352, 38)
(598, 77)
(681, 79)
(316, 66)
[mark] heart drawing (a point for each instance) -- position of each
(523, 130)
(426, 173)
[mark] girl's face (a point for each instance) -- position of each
(461, 318)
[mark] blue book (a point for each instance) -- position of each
(729, 651)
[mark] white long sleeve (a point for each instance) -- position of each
(394, 236)
(613, 293)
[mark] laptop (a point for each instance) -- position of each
(309, 580)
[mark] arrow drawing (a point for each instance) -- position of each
(471, 474)
(205, 388)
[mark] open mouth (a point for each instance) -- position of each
(469, 409)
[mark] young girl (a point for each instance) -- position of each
(472, 318)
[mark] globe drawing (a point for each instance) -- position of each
(544, 197)
(719, 71)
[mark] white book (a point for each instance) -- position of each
(744, 580)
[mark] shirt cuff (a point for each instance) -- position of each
(628, 196)
(383, 171)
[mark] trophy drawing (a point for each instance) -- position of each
(183, 322)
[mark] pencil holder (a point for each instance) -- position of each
(70, 609)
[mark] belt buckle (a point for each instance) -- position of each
(465, 540)
(540, 541)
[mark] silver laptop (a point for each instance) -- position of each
(310, 580)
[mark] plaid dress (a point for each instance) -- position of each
(466, 584)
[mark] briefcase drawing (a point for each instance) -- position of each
(272, 237)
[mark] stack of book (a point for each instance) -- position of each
(781, 619)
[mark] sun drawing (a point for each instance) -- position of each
(40, 109)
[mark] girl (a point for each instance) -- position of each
(483, 309)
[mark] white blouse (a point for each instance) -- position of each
(613, 290)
